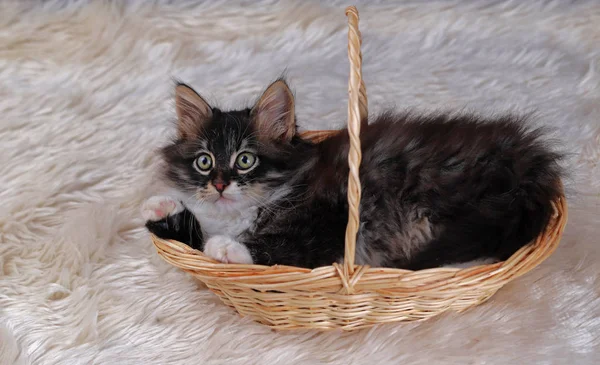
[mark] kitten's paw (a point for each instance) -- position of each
(159, 207)
(227, 250)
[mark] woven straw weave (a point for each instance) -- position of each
(349, 296)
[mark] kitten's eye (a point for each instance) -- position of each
(204, 162)
(245, 160)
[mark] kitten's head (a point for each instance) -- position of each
(231, 160)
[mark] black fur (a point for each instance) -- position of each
(182, 227)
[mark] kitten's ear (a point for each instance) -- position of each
(274, 112)
(192, 111)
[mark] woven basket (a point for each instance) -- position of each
(349, 296)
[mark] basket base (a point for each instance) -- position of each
(292, 311)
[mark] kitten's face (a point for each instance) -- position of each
(230, 160)
(223, 165)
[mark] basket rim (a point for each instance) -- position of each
(366, 278)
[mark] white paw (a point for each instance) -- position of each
(159, 206)
(227, 250)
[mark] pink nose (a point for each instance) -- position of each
(220, 186)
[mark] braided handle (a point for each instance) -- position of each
(357, 114)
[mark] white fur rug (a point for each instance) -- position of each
(85, 99)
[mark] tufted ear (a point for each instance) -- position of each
(192, 111)
(274, 113)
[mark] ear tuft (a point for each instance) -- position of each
(192, 111)
(274, 113)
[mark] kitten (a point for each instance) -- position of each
(436, 190)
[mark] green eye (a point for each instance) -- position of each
(204, 162)
(245, 160)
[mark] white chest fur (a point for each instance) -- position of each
(218, 220)
(231, 223)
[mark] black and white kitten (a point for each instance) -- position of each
(436, 190)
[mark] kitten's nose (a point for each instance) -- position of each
(220, 185)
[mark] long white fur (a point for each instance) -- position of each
(86, 96)
(229, 219)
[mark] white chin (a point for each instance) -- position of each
(227, 203)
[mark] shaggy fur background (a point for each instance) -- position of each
(86, 98)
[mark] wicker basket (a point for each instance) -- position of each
(349, 296)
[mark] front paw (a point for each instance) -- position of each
(159, 207)
(227, 250)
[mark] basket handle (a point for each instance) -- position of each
(357, 115)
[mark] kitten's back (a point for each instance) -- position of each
(481, 187)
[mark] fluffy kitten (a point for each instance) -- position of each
(436, 190)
